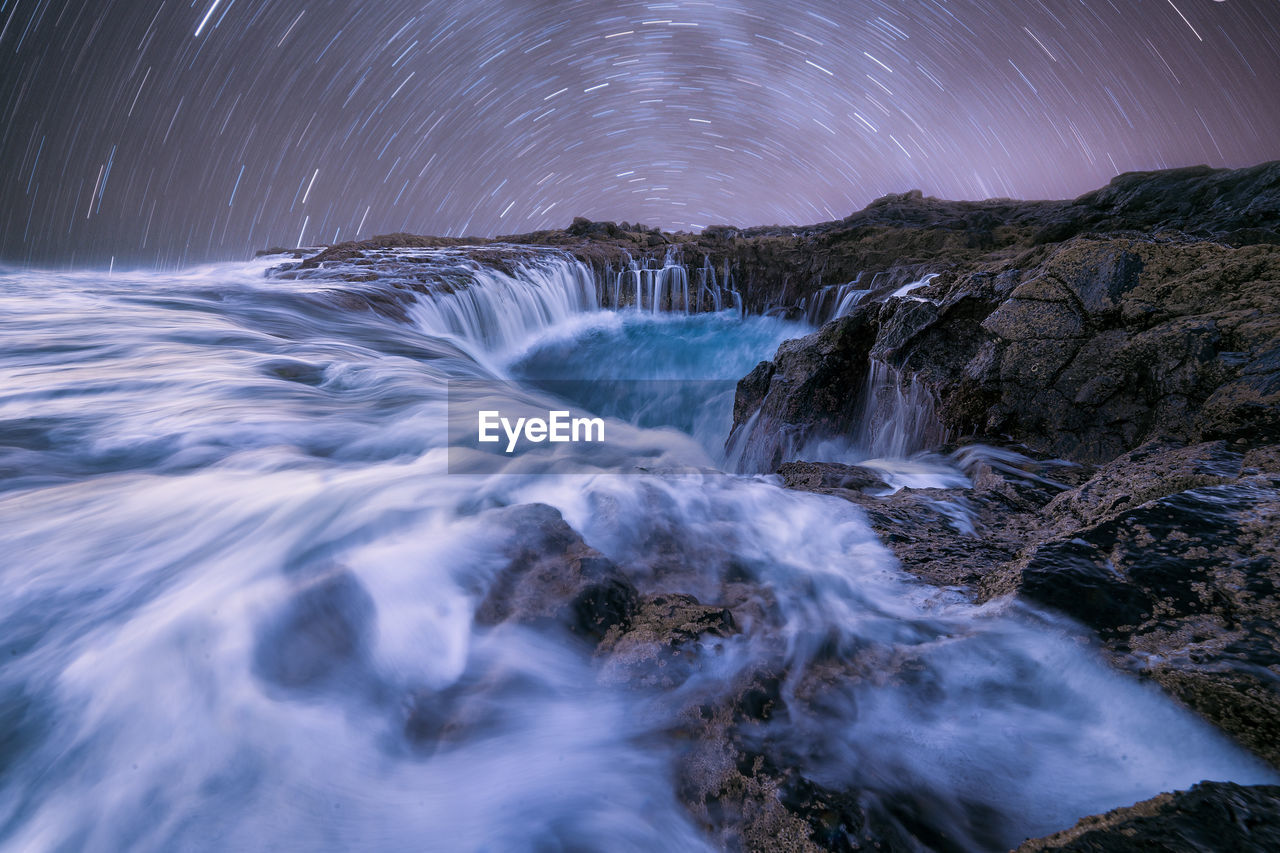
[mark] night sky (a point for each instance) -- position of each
(189, 130)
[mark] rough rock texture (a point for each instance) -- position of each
(828, 477)
(1184, 587)
(1171, 553)
(1148, 355)
(1083, 350)
(776, 267)
(1134, 332)
(736, 766)
(1211, 817)
(657, 646)
(897, 238)
(554, 576)
(814, 385)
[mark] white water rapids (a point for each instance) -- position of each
(189, 461)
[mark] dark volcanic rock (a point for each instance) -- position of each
(813, 386)
(1171, 553)
(658, 646)
(553, 576)
(903, 236)
(1186, 588)
(952, 537)
(1083, 350)
(824, 476)
(1211, 817)
(1108, 344)
(1134, 331)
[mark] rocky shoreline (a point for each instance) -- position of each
(1105, 370)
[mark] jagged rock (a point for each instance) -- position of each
(658, 644)
(906, 235)
(1104, 344)
(950, 537)
(553, 576)
(904, 820)
(1170, 553)
(1186, 589)
(813, 386)
(1210, 817)
(1120, 342)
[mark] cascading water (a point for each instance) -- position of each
(899, 415)
(833, 301)
(499, 310)
(895, 418)
(242, 594)
(665, 287)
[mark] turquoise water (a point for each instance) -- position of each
(656, 370)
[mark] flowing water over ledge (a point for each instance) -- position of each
(235, 566)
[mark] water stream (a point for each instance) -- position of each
(235, 564)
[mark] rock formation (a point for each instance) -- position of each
(1149, 360)
(1107, 372)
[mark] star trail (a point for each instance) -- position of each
(192, 130)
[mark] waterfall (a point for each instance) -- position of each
(708, 287)
(832, 301)
(649, 286)
(499, 296)
(910, 286)
(899, 414)
(836, 300)
(895, 417)
(499, 310)
(254, 610)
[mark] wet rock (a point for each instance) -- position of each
(902, 236)
(324, 629)
(938, 536)
(1170, 553)
(292, 370)
(554, 577)
(901, 820)
(1210, 817)
(824, 476)
(736, 795)
(813, 386)
(1125, 341)
(1152, 471)
(949, 537)
(660, 644)
(1102, 345)
(1185, 589)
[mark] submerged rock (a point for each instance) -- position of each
(323, 629)
(553, 576)
(823, 476)
(659, 644)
